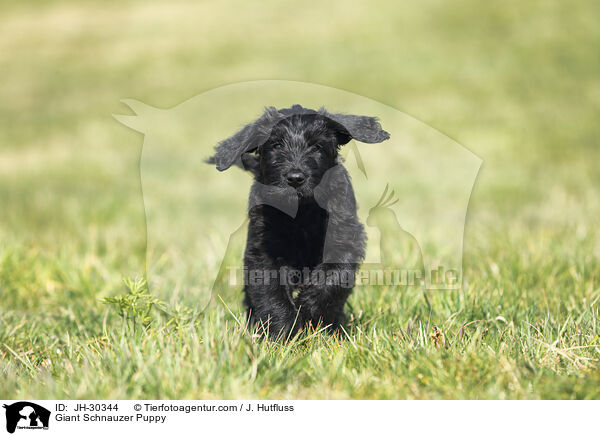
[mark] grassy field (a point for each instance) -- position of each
(517, 83)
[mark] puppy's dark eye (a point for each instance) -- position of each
(276, 146)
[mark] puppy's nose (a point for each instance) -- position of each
(295, 178)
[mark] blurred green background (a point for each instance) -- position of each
(517, 82)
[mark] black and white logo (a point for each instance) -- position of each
(26, 415)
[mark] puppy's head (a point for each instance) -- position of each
(293, 148)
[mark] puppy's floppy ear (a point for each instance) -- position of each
(362, 128)
(251, 163)
(229, 151)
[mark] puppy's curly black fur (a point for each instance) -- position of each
(305, 241)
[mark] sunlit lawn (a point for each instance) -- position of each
(516, 82)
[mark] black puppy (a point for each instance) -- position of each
(305, 242)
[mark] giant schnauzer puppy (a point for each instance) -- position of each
(305, 241)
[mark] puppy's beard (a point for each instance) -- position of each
(304, 191)
(283, 198)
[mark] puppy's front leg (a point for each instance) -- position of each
(268, 300)
(322, 302)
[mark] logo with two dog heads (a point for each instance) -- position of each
(26, 415)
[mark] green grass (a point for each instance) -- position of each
(516, 83)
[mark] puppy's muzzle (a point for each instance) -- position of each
(295, 178)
